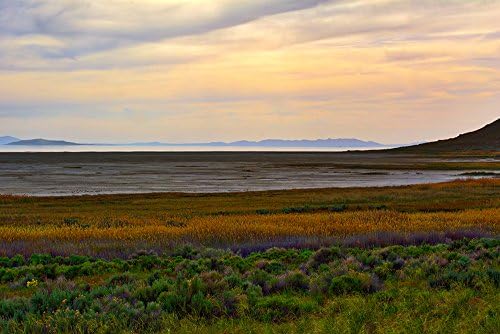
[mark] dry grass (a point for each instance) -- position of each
(163, 221)
(245, 228)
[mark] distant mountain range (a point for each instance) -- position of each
(485, 139)
(42, 142)
(7, 140)
(339, 142)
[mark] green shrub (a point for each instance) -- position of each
(449, 278)
(77, 259)
(494, 275)
(464, 261)
(384, 270)
(170, 302)
(200, 305)
(146, 262)
(231, 300)
(254, 293)
(4, 262)
(100, 291)
(213, 282)
(280, 308)
(153, 307)
(345, 284)
(323, 256)
(186, 252)
(260, 277)
(17, 261)
(354, 283)
(40, 259)
(297, 209)
(145, 294)
(69, 272)
(7, 275)
(15, 308)
(338, 208)
(120, 279)
(293, 280)
(82, 302)
(161, 285)
(369, 259)
(43, 301)
(233, 280)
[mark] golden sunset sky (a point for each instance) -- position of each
(186, 71)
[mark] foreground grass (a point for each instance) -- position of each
(445, 288)
(141, 263)
(119, 225)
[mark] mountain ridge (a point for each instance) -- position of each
(4, 140)
(43, 142)
(486, 138)
(329, 142)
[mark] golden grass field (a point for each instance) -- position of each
(119, 223)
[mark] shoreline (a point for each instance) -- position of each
(249, 192)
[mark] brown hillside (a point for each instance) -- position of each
(484, 139)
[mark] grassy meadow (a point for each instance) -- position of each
(118, 225)
(422, 258)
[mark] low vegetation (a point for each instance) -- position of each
(450, 287)
(119, 225)
(421, 258)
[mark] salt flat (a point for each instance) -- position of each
(201, 172)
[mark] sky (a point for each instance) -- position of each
(393, 71)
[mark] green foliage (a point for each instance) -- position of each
(338, 208)
(293, 281)
(298, 209)
(353, 283)
(324, 256)
(282, 308)
(353, 289)
(120, 279)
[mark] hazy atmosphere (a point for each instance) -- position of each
(186, 71)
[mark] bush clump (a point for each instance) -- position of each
(146, 291)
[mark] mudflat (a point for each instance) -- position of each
(73, 173)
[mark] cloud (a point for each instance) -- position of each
(83, 34)
(239, 68)
(90, 26)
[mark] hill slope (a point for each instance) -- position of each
(485, 139)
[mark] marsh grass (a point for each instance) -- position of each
(359, 260)
(119, 225)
